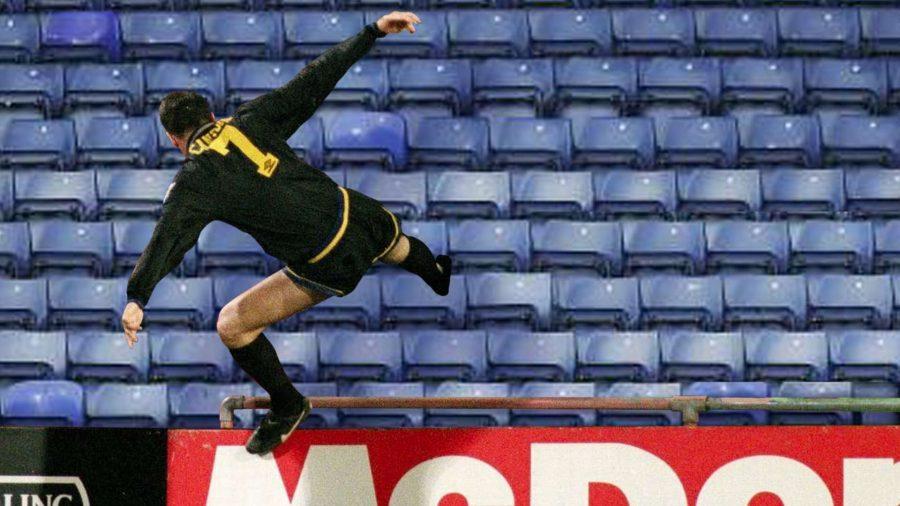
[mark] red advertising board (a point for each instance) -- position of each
(801, 466)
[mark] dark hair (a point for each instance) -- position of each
(182, 112)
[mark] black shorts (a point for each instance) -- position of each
(368, 231)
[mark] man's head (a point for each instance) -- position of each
(181, 113)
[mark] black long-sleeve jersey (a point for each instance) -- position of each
(241, 171)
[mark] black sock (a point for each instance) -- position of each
(422, 263)
(259, 360)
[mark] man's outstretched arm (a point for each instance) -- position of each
(288, 107)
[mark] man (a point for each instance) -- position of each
(240, 170)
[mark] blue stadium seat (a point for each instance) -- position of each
(865, 355)
(761, 86)
(123, 5)
(381, 418)
(730, 389)
(20, 40)
(469, 194)
(226, 288)
(106, 356)
(719, 193)
(568, 32)
(111, 85)
(118, 141)
(778, 356)
(863, 140)
(531, 143)
(847, 85)
(659, 246)
(456, 143)
(430, 87)
(861, 301)
(577, 245)
(802, 193)
(505, 299)
(23, 303)
(879, 31)
(481, 33)
(870, 192)
(553, 418)
(43, 403)
(32, 87)
(498, 245)
(15, 249)
(893, 85)
(6, 194)
(190, 356)
(808, 389)
(169, 155)
(55, 194)
(223, 248)
(298, 352)
(32, 355)
(310, 33)
(80, 35)
(182, 303)
(65, 247)
(588, 87)
(542, 194)
(242, 35)
(590, 301)
(701, 356)
(320, 417)
(360, 309)
(160, 35)
(640, 418)
(366, 138)
(41, 144)
(780, 140)
(818, 31)
(616, 356)
(364, 86)
(7, 116)
(653, 31)
(759, 300)
(429, 40)
(516, 356)
(56, 5)
(196, 405)
(349, 355)
(621, 193)
(466, 417)
(869, 389)
(408, 302)
(670, 87)
(121, 405)
(205, 78)
(402, 194)
(887, 246)
(604, 142)
(732, 32)
(679, 301)
(308, 142)
(459, 355)
(831, 245)
(697, 141)
(248, 79)
(432, 233)
(130, 237)
(509, 87)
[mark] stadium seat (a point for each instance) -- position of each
(160, 35)
(568, 32)
(553, 418)
(23, 303)
(15, 250)
(223, 248)
(505, 299)
(38, 144)
(487, 33)
(428, 41)
(432, 233)
(248, 79)
(196, 405)
(124, 5)
(759, 300)
(818, 31)
(111, 85)
(616, 356)
(831, 245)
(318, 418)
(130, 237)
(119, 142)
(517, 356)
(861, 140)
(719, 193)
(734, 32)
(385, 417)
(668, 301)
(76, 302)
(41, 194)
(809, 389)
(242, 35)
(190, 356)
(588, 87)
(226, 288)
(658, 246)
(893, 86)
(310, 33)
(80, 35)
(761, 86)
(6, 194)
(869, 389)
(366, 138)
(490, 245)
(540, 194)
(407, 302)
(697, 141)
(802, 193)
(453, 143)
(430, 87)
(169, 155)
(653, 31)
(106, 356)
(181, 303)
(121, 405)
(879, 31)
(32, 355)
(861, 301)
(743, 389)
(469, 194)
(20, 40)
(670, 87)
(577, 245)
(64, 247)
(870, 192)
(508, 87)
(466, 417)
(360, 309)
(43, 403)
(621, 193)
(854, 86)
(459, 355)
(402, 194)
(865, 355)
(364, 86)
(355, 356)
(530, 143)
(778, 356)
(701, 356)
(308, 142)
(780, 140)
(587, 301)
(32, 87)
(298, 353)
(887, 246)
(605, 142)
(640, 418)
(205, 78)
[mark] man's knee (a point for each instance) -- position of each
(230, 327)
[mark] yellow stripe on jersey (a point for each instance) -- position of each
(340, 233)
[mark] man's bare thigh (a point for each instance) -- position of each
(272, 300)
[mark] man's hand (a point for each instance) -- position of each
(132, 317)
(396, 22)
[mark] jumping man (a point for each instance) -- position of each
(240, 171)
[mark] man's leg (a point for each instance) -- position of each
(412, 255)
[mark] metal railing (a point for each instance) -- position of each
(690, 407)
